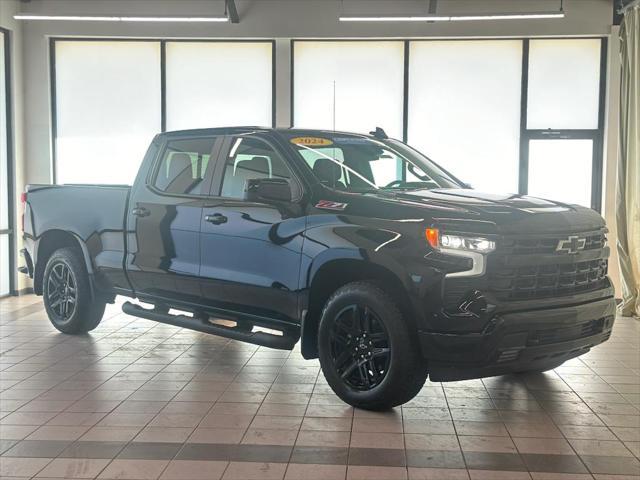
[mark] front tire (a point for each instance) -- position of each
(366, 351)
(67, 294)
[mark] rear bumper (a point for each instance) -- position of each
(519, 341)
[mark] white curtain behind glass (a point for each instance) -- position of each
(107, 109)
(464, 108)
(215, 84)
(368, 80)
(564, 79)
(561, 170)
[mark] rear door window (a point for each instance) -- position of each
(186, 166)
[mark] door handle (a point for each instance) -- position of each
(216, 218)
(140, 212)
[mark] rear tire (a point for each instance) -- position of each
(366, 351)
(67, 294)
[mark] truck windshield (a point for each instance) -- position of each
(358, 163)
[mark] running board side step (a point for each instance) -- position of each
(282, 342)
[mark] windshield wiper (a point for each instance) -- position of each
(427, 185)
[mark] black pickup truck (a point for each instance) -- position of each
(381, 263)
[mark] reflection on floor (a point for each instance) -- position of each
(140, 400)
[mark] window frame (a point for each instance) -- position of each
(297, 189)
(155, 168)
(163, 70)
(405, 42)
(596, 135)
(10, 232)
(53, 112)
(514, 127)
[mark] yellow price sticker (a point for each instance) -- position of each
(311, 141)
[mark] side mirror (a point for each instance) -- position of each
(268, 189)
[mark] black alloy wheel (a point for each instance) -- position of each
(360, 347)
(62, 292)
(70, 303)
(368, 351)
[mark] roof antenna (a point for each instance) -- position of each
(379, 133)
(334, 105)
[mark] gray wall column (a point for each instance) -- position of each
(283, 82)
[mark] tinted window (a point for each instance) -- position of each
(184, 166)
(250, 159)
(358, 163)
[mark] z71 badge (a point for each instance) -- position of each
(329, 205)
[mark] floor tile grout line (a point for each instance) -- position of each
(121, 401)
(153, 344)
(66, 379)
(301, 422)
(455, 428)
(556, 425)
(40, 309)
(594, 413)
(71, 376)
(208, 411)
(124, 400)
(151, 420)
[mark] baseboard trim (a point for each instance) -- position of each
(24, 291)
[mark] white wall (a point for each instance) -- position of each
(283, 20)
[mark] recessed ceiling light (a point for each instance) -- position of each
(507, 16)
(105, 18)
(450, 18)
(394, 18)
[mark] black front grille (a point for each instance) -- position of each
(565, 334)
(541, 281)
(530, 267)
(548, 244)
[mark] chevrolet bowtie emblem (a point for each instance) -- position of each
(573, 244)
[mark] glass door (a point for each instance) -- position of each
(562, 122)
(561, 169)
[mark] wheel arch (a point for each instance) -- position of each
(48, 243)
(336, 273)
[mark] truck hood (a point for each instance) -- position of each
(508, 213)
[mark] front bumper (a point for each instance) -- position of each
(519, 341)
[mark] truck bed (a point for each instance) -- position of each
(95, 214)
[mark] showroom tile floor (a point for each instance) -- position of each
(140, 400)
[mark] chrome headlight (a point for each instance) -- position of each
(469, 246)
(472, 244)
(446, 241)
